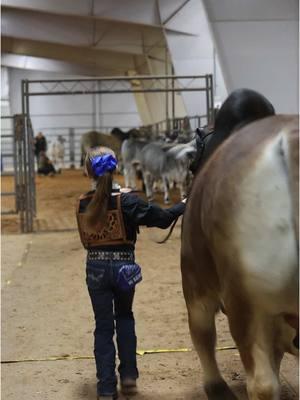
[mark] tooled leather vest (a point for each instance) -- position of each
(112, 232)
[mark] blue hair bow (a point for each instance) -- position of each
(102, 164)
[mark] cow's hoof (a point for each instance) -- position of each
(219, 391)
(167, 201)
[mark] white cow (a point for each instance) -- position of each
(57, 153)
(169, 163)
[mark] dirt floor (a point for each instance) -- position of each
(47, 321)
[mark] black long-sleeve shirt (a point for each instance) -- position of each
(136, 212)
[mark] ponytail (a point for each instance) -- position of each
(96, 211)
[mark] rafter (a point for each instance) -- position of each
(73, 54)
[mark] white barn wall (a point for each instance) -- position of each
(191, 49)
(258, 47)
(6, 123)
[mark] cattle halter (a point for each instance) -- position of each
(201, 143)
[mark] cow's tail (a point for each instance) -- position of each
(290, 155)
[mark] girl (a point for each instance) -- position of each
(108, 222)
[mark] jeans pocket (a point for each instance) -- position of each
(95, 277)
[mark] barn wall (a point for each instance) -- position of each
(5, 103)
(191, 48)
(6, 124)
(258, 47)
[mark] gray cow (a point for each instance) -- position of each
(170, 163)
(131, 156)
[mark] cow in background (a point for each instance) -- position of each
(240, 244)
(57, 153)
(93, 139)
(121, 135)
(131, 158)
(169, 163)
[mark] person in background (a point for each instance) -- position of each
(108, 221)
(40, 144)
(45, 166)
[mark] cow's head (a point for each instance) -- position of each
(240, 108)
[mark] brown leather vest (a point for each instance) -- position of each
(110, 233)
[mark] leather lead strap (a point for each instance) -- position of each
(169, 234)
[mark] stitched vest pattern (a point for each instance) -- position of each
(112, 232)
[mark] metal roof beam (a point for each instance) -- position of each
(73, 54)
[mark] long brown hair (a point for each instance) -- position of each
(96, 211)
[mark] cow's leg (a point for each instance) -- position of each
(263, 382)
(62, 161)
(201, 292)
(129, 176)
(132, 181)
(182, 189)
(126, 176)
(166, 190)
(201, 313)
(148, 183)
(255, 336)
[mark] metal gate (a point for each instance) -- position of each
(155, 84)
(22, 156)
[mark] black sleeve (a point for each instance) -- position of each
(151, 215)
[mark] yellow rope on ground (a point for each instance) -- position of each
(139, 352)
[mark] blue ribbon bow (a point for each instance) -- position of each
(102, 164)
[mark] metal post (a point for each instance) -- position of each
(212, 114)
(167, 86)
(31, 171)
(207, 99)
(72, 147)
(28, 175)
(15, 162)
(28, 219)
(20, 131)
(173, 99)
(98, 108)
(94, 105)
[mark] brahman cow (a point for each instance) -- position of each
(170, 163)
(93, 139)
(131, 157)
(57, 153)
(240, 251)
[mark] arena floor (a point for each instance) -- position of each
(47, 320)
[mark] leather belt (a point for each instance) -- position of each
(94, 255)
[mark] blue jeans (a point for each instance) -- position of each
(113, 311)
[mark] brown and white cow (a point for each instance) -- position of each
(240, 251)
